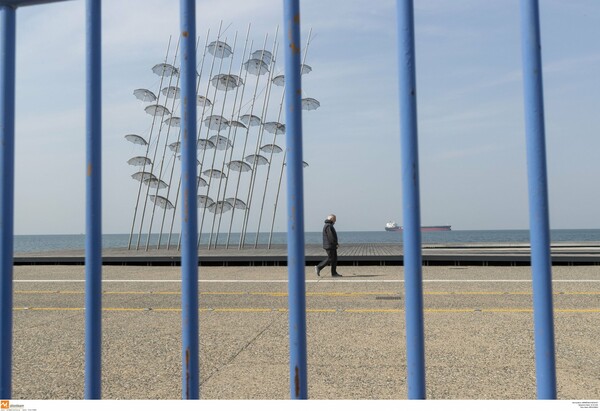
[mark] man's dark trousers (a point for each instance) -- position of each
(331, 259)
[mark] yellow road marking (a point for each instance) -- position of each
(317, 310)
(308, 294)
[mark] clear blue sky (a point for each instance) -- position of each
(470, 107)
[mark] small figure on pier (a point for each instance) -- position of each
(330, 244)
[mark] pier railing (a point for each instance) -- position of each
(538, 200)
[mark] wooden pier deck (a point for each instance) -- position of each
(351, 254)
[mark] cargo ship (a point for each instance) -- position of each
(392, 226)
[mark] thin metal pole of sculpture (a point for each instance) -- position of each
(245, 144)
(235, 100)
(218, 135)
(212, 65)
(415, 341)
(147, 151)
(541, 259)
(160, 172)
(285, 153)
(175, 155)
(212, 111)
(254, 171)
(158, 137)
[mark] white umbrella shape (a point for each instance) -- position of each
(274, 127)
(226, 82)
(260, 160)
(310, 104)
(250, 120)
(135, 139)
(256, 67)
(219, 49)
(155, 183)
(204, 144)
(237, 165)
(176, 146)
(139, 161)
(220, 142)
(173, 121)
(305, 69)
(279, 80)
(271, 148)
(144, 95)
(142, 175)
(164, 69)
(263, 55)
(201, 182)
(214, 173)
(171, 92)
(162, 202)
(204, 201)
(216, 122)
(157, 110)
(234, 123)
(237, 203)
(220, 207)
(203, 101)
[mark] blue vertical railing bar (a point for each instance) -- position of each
(541, 262)
(295, 202)
(93, 238)
(189, 221)
(415, 346)
(7, 180)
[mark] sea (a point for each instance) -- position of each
(42, 243)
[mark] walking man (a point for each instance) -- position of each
(330, 244)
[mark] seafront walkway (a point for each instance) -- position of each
(349, 254)
(478, 332)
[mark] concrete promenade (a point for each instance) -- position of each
(478, 325)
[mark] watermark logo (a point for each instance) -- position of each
(4, 404)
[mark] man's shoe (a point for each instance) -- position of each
(317, 271)
(336, 275)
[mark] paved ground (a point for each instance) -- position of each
(478, 327)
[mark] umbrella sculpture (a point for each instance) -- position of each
(274, 127)
(250, 120)
(144, 95)
(258, 63)
(164, 69)
(220, 49)
(203, 101)
(157, 110)
(216, 122)
(237, 165)
(256, 67)
(139, 161)
(205, 201)
(162, 202)
(260, 160)
(220, 142)
(171, 92)
(135, 139)
(271, 148)
(310, 104)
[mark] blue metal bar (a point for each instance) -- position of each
(415, 345)
(7, 180)
(93, 238)
(295, 203)
(189, 229)
(541, 263)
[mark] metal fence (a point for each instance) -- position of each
(538, 200)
